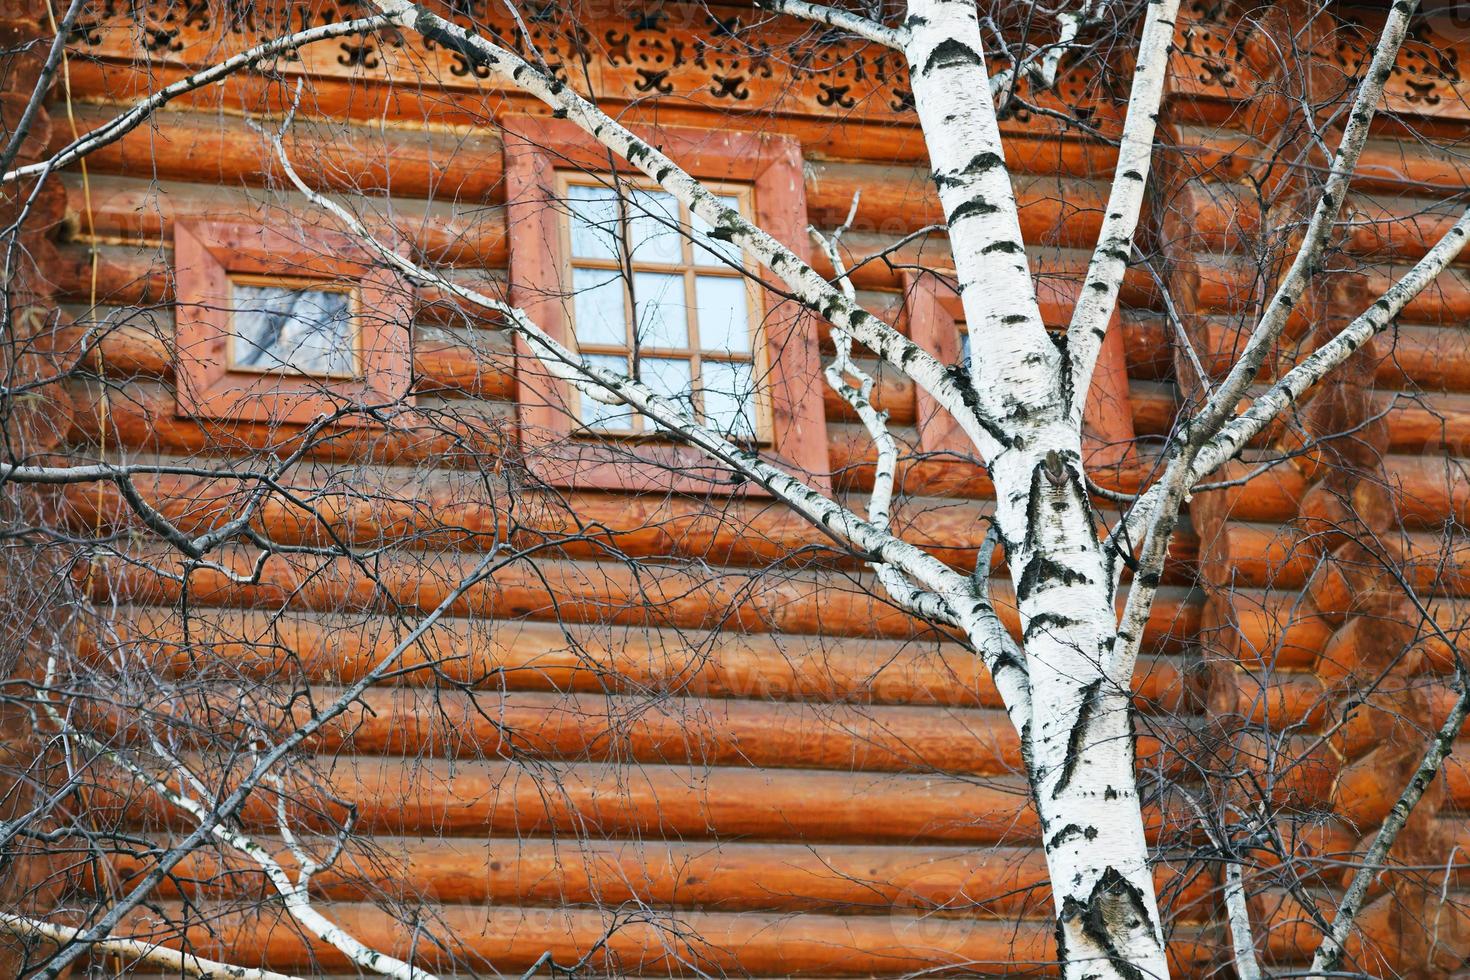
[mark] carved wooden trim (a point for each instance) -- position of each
(207, 253)
(536, 149)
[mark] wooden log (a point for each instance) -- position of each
(1032, 146)
(1430, 357)
(575, 592)
(1262, 556)
(146, 421)
(467, 168)
(1154, 406)
(433, 797)
(447, 512)
(442, 363)
(1267, 630)
(530, 656)
(718, 877)
(128, 211)
(216, 149)
(1429, 489)
(511, 940)
(530, 727)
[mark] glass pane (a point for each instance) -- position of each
(669, 377)
(653, 227)
(729, 398)
(297, 331)
(598, 307)
(711, 250)
(662, 318)
(594, 222)
(965, 348)
(723, 320)
(597, 415)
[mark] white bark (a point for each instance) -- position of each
(1078, 741)
(1099, 295)
(137, 951)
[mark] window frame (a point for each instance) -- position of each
(210, 256)
(784, 338)
(933, 311)
(758, 357)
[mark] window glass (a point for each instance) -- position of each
(597, 306)
(599, 415)
(662, 319)
(729, 397)
(292, 331)
(653, 222)
(724, 309)
(594, 221)
(692, 311)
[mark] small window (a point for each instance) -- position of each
(306, 329)
(283, 325)
(653, 296)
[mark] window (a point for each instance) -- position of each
(613, 266)
(281, 325)
(684, 319)
(294, 328)
(936, 321)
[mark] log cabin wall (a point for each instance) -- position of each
(723, 772)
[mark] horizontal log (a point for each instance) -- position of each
(1230, 286)
(574, 592)
(450, 724)
(468, 168)
(1428, 490)
(146, 420)
(1429, 357)
(721, 877)
(511, 940)
(449, 512)
(1385, 165)
(1155, 405)
(122, 210)
(480, 365)
(1262, 556)
(411, 162)
(138, 276)
(528, 656)
(438, 797)
(1032, 145)
(1266, 630)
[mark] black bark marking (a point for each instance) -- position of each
(966, 209)
(1085, 711)
(951, 53)
(1069, 831)
(1114, 908)
(456, 40)
(1041, 571)
(1009, 247)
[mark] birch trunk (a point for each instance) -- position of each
(1078, 739)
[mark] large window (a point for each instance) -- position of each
(654, 296)
(612, 266)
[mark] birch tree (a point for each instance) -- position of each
(1067, 680)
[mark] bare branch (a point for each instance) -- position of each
(136, 951)
(841, 19)
(117, 128)
(1098, 296)
(1328, 957)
